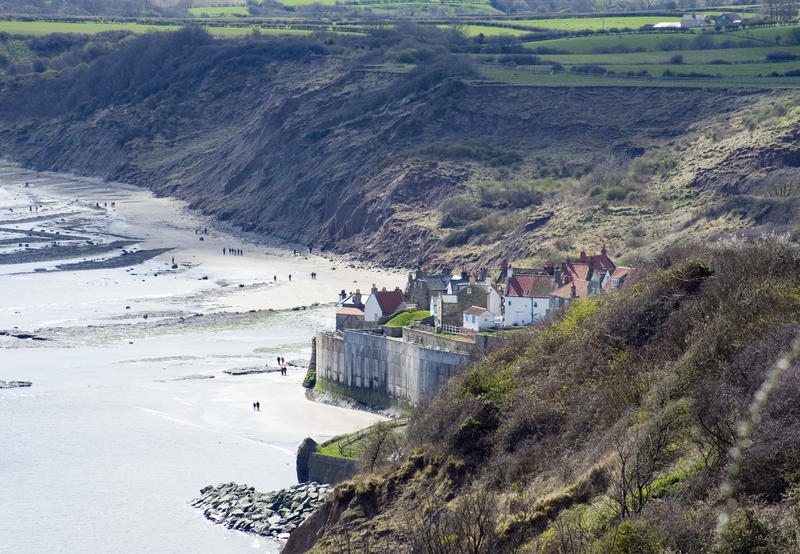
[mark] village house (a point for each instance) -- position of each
(422, 286)
(581, 279)
(477, 319)
(447, 308)
(382, 303)
(527, 299)
(614, 280)
(350, 312)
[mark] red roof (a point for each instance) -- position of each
(581, 290)
(577, 272)
(620, 273)
(389, 300)
(350, 311)
(530, 286)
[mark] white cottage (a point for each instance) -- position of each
(527, 299)
(478, 319)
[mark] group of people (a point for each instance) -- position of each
(233, 251)
(282, 364)
(256, 406)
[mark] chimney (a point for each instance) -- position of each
(464, 274)
(603, 250)
(397, 289)
(504, 266)
(557, 276)
(471, 279)
(342, 295)
(410, 276)
(374, 288)
(572, 291)
(583, 256)
(446, 269)
(357, 298)
(510, 272)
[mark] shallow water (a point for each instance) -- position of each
(119, 431)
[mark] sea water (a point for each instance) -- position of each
(125, 422)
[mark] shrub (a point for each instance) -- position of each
(458, 211)
(781, 57)
(676, 59)
(616, 194)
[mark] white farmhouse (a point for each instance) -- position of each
(478, 319)
(527, 299)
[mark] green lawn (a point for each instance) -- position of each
(407, 317)
(219, 11)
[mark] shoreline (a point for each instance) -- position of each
(137, 353)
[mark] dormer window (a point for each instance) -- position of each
(615, 283)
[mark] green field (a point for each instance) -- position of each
(521, 76)
(219, 11)
(486, 30)
(654, 41)
(89, 28)
(732, 55)
(593, 23)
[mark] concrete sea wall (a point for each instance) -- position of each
(381, 370)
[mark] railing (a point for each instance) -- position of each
(452, 329)
(348, 447)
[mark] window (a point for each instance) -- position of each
(509, 302)
(535, 305)
(526, 293)
(615, 283)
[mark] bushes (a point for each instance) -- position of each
(475, 150)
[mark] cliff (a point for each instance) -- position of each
(331, 142)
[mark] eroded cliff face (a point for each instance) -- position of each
(326, 150)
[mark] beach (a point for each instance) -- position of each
(125, 318)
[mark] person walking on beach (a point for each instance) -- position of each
(290, 276)
(274, 278)
(258, 406)
(254, 406)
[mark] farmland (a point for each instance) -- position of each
(219, 11)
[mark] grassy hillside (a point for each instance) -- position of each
(653, 420)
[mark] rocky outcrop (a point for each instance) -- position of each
(14, 384)
(272, 514)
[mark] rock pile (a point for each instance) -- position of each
(271, 514)
(14, 384)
